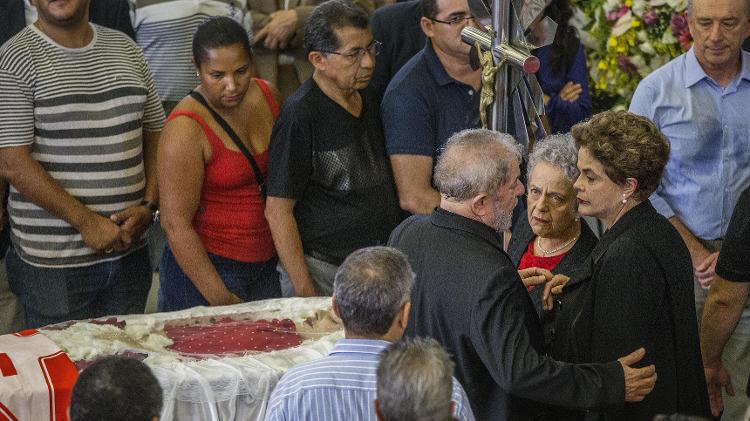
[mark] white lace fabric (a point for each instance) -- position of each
(206, 387)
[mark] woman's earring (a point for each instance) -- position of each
(198, 74)
(624, 200)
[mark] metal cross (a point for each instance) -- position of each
(508, 67)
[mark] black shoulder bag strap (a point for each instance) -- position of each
(236, 139)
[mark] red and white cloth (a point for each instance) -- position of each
(36, 378)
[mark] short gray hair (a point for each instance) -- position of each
(370, 287)
(747, 8)
(415, 381)
(475, 161)
(558, 150)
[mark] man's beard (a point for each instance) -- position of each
(503, 219)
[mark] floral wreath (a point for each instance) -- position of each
(625, 40)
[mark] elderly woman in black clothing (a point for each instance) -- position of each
(552, 237)
(635, 289)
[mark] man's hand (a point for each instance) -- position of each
(279, 30)
(706, 269)
(305, 290)
(552, 288)
(531, 277)
(639, 382)
(570, 91)
(133, 222)
(717, 377)
(102, 235)
(226, 300)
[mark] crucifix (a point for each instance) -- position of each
(504, 52)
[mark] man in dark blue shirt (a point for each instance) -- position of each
(433, 96)
(397, 27)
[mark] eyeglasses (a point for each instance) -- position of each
(356, 55)
(456, 20)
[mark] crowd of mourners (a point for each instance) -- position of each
(265, 149)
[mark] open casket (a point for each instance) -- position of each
(213, 363)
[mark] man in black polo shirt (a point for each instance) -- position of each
(726, 300)
(330, 189)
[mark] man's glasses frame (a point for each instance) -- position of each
(456, 20)
(358, 54)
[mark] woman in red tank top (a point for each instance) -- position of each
(219, 248)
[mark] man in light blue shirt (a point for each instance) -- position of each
(371, 295)
(706, 117)
(701, 102)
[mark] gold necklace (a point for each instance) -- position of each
(546, 253)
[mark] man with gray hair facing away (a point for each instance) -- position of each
(474, 303)
(371, 296)
(415, 379)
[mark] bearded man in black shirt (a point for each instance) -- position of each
(469, 297)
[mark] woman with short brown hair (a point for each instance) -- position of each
(636, 288)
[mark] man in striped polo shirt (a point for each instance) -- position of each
(371, 295)
(79, 127)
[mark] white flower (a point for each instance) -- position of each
(623, 24)
(621, 107)
(639, 7)
(677, 5)
(641, 36)
(647, 48)
(668, 38)
(579, 20)
(595, 73)
(640, 63)
(657, 3)
(588, 40)
(610, 5)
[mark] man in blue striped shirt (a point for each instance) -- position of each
(371, 296)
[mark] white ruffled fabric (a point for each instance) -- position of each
(210, 387)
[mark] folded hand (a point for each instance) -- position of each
(531, 277)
